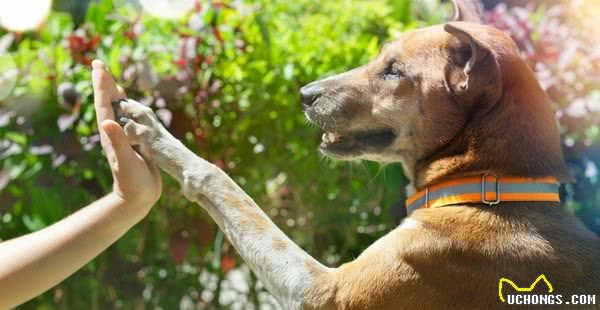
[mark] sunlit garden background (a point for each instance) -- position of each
(223, 76)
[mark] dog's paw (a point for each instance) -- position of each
(139, 122)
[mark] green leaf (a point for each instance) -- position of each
(57, 26)
(17, 137)
(33, 223)
(98, 13)
(401, 10)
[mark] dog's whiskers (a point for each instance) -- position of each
(374, 178)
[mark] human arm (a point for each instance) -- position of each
(32, 264)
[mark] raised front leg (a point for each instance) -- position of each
(377, 279)
(285, 268)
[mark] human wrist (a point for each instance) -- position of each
(129, 208)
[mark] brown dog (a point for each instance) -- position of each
(448, 102)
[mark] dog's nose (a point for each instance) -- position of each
(310, 93)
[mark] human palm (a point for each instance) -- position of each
(136, 179)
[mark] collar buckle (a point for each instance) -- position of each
(483, 182)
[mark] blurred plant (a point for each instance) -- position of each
(224, 80)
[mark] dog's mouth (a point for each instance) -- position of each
(349, 143)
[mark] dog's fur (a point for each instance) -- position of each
(446, 101)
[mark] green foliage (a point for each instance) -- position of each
(225, 80)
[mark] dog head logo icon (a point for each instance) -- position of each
(541, 278)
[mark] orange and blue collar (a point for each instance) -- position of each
(486, 189)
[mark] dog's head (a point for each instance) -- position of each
(437, 98)
(411, 96)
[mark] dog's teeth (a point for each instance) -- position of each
(331, 137)
(336, 136)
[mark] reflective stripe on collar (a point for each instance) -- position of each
(486, 189)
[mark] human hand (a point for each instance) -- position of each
(136, 180)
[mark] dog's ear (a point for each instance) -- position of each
(476, 57)
(468, 11)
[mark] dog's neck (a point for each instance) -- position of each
(516, 136)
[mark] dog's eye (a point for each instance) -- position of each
(392, 72)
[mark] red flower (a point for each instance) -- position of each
(181, 63)
(79, 46)
(130, 34)
(227, 263)
(76, 43)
